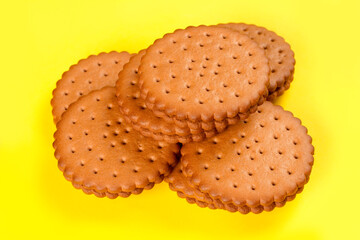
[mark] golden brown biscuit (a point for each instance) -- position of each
(100, 153)
(204, 74)
(252, 164)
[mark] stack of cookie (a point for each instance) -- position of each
(194, 109)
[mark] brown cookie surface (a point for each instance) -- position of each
(99, 152)
(203, 74)
(143, 119)
(92, 73)
(279, 53)
(253, 164)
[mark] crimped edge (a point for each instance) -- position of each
(219, 126)
(112, 195)
(217, 204)
(170, 138)
(281, 89)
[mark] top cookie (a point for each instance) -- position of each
(279, 53)
(203, 74)
(92, 73)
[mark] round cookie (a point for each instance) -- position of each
(203, 74)
(143, 119)
(253, 164)
(92, 73)
(279, 53)
(100, 153)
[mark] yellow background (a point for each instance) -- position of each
(41, 39)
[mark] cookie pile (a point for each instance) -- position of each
(194, 108)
